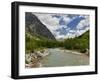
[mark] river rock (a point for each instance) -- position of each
(33, 59)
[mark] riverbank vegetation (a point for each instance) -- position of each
(36, 47)
(36, 42)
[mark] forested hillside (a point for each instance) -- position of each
(37, 42)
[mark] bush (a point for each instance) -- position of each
(83, 50)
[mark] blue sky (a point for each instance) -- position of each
(75, 22)
(65, 25)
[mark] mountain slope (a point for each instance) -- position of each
(34, 26)
(80, 43)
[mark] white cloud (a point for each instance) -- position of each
(60, 36)
(84, 22)
(66, 19)
(52, 23)
(46, 19)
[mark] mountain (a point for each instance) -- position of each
(34, 26)
(80, 43)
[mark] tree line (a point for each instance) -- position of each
(34, 42)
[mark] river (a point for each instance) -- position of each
(58, 57)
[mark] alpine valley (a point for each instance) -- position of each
(46, 33)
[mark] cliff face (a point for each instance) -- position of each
(34, 26)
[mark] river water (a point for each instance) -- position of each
(58, 57)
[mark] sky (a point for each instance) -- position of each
(64, 26)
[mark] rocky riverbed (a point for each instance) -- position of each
(56, 57)
(33, 59)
